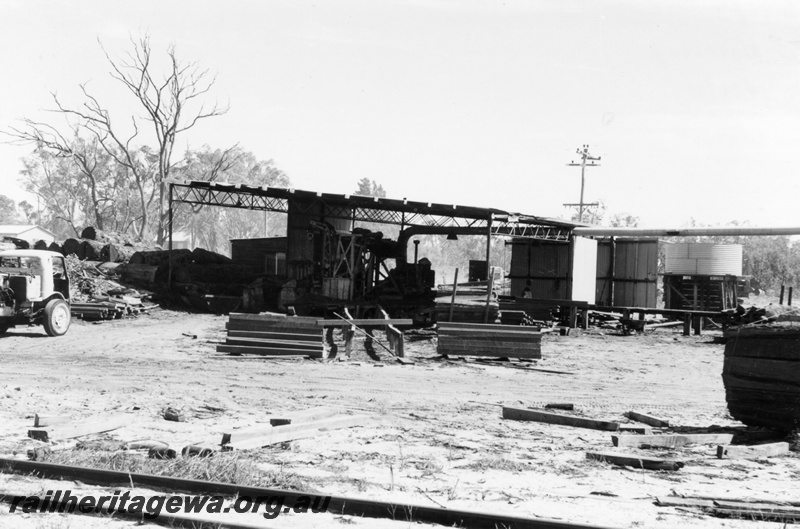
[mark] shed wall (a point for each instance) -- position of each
(254, 253)
(631, 282)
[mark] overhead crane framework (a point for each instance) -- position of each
(338, 250)
(403, 212)
(327, 256)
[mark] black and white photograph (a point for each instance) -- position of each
(495, 264)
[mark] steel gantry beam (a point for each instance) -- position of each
(530, 228)
(369, 209)
(228, 199)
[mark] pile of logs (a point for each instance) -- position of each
(200, 279)
(95, 245)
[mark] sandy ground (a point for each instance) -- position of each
(439, 438)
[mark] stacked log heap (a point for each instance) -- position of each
(114, 270)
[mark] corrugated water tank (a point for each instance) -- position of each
(703, 259)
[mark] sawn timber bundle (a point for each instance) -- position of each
(273, 334)
(474, 339)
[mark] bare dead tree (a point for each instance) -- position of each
(172, 105)
(166, 103)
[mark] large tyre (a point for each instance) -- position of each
(3, 329)
(56, 317)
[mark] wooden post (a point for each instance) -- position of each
(687, 324)
(348, 340)
(488, 294)
(352, 285)
(453, 298)
(169, 247)
(584, 319)
(698, 325)
(348, 333)
(488, 242)
(573, 317)
(780, 302)
(789, 301)
(395, 336)
(613, 269)
(329, 339)
(389, 337)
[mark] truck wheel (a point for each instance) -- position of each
(56, 317)
(3, 329)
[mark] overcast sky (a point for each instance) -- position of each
(694, 106)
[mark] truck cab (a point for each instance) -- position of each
(34, 290)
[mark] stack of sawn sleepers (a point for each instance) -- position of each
(273, 335)
(474, 339)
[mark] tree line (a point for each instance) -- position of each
(96, 168)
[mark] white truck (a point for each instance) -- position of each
(34, 290)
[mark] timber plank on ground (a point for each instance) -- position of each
(496, 343)
(286, 344)
(297, 417)
(497, 352)
(282, 419)
(675, 501)
(647, 419)
(752, 452)
(456, 326)
(635, 429)
(267, 327)
(270, 435)
(636, 461)
(672, 440)
(373, 322)
(266, 350)
(43, 420)
(286, 321)
(264, 335)
(521, 414)
(757, 507)
(79, 429)
(524, 338)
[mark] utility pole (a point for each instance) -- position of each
(585, 156)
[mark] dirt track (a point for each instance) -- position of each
(440, 440)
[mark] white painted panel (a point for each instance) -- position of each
(584, 269)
